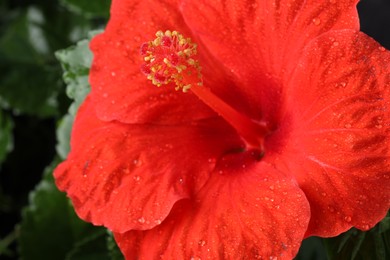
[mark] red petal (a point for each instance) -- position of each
(245, 213)
(338, 108)
(260, 41)
(129, 176)
(120, 89)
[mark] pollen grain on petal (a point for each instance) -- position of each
(171, 58)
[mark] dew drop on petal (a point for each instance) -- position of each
(381, 48)
(365, 227)
(348, 219)
(141, 220)
(212, 160)
(316, 21)
(202, 242)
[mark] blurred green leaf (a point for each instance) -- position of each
(63, 135)
(89, 8)
(75, 61)
(312, 248)
(6, 140)
(359, 245)
(113, 249)
(51, 230)
(27, 84)
(30, 79)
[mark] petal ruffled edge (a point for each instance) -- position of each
(251, 212)
(128, 177)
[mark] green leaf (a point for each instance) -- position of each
(89, 8)
(63, 136)
(6, 140)
(113, 249)
(75, 61)
(358, 245)
(30, 80)
(311, 248)
(51, 230)
(27, 83)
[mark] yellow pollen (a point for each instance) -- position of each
(171, 59)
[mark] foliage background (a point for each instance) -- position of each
(37, 221)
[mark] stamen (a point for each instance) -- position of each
(170, 59)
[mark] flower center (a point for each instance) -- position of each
(171, 59)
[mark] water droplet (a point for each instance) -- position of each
(271, 187)
(169, 146)
(157, 221)
(181, 181)
(347, 125)
(365, 227)
(381, 48)
(141, 220)
(211, 160)
(137, 162)
(202, 242)
(332, 1)
(336, 43)
(113, 74)
(316, 21)
(348, 219)
(342, 84)
(323, 194)
(105, 95)
(136, 178)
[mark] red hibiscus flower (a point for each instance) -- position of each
(287, 138)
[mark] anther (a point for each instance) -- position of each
(170, 59)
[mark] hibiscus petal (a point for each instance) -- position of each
(265, 33)
(129, 176)
(251, 212)
(119, 88)
(260, 41)
(338, 108)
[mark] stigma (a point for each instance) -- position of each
(171, 59)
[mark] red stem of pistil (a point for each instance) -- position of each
(252, 132)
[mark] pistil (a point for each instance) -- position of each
(170, 59)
